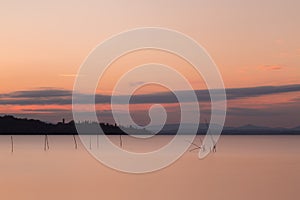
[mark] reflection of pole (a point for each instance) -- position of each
(90, 142)
(45, 143)
(97, 141)
(121, 142)
(75, 142)
(12, 143)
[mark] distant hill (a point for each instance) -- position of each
(297, 128)
(10, 125)
(259, 130)
(248, 129)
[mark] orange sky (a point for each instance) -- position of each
(42, 41)
(254, 43)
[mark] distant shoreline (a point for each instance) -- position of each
(10, 125)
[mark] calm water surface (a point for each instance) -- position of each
(244, 167)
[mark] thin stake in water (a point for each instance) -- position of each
(214, 148)
(46, 143)
(75, 142)
(12, 143)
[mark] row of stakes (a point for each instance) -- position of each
(47, 147)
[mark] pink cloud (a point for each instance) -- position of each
(271, 67)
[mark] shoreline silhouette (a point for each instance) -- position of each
(10, 125)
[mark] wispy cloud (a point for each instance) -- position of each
(46, 110)
(64, 97)
(133, 84)
(203, 95)
(271, 67)
(40, 93)
(69, 75)
(31, 104)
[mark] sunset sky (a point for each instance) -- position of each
(254, 44)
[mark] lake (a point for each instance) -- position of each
(244, 167)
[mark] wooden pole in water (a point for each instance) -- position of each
(12, 143)
(75, 142)
(46, 143)
(214, 147)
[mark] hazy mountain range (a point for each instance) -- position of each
(248, 129)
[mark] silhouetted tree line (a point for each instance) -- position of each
(12, 125)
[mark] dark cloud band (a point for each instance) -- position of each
(50, 96)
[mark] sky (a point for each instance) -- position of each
(255, 44)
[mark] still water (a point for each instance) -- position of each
(244, 167)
